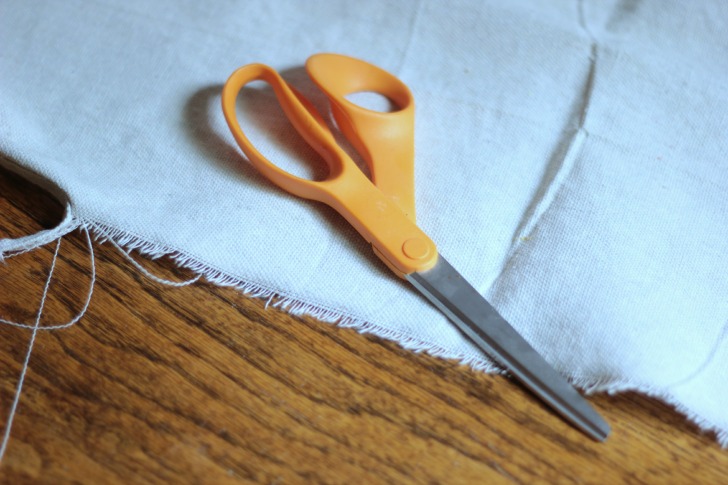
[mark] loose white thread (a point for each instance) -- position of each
(31, 343)
(145, 272)
(86, 304)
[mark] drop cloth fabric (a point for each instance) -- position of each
(572, 163)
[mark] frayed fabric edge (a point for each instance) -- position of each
(592, 386)
(276, 298)
(127, 241)
(298, 307)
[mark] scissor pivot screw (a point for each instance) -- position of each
(416, 248)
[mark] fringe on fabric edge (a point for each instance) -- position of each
(127, 241)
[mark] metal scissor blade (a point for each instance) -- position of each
(478, 320)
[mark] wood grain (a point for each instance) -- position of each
(203, 385)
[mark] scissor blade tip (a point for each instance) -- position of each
(482, 323)
(601, 435)
(599, 430)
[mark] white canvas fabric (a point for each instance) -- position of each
(572, 163)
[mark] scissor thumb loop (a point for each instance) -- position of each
(384, 140)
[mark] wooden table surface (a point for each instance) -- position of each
(202, 384)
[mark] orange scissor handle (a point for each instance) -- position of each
(374, 214)
(384, 140)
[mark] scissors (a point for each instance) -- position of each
(382, 209)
